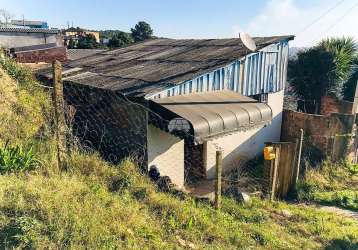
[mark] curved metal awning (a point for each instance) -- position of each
(214, 114)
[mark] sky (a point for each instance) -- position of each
(309, 20)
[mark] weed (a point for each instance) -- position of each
(17, 159)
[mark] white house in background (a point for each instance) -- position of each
(15, 36)
(201, 95)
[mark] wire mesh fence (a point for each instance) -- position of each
(117, 127)
(91, 119)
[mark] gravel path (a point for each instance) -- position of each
(338, 210)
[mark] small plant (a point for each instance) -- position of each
(17, 159)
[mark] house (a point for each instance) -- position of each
(32, 45)
(13, 37)
(30, 24)
(74, 34)
(181, 100)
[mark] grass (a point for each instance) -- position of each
(95, 205)
(331, 184)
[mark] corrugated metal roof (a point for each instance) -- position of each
(75, 54)
(213, 114)
(29, 30)
(156, 64)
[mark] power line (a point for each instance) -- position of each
(321, 16)
(340, 18)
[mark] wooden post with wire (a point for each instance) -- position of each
(298, 165)
(59, 118)
(217, 202)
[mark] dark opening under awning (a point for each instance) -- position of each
(213, 114)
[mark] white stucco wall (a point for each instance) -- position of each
(244, 145)
(167, 153)
(20, 39)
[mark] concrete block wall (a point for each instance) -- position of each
(166, 152)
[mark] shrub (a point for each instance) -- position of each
(17, 159)
(15, 71)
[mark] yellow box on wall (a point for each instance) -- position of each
(269, 153)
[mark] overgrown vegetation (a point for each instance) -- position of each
(97, 205)
(322, 70)
(16, 159)
(331, 184)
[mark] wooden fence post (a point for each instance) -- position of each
(218, 179)
(274, 173)
(59, 119)
(298, 165)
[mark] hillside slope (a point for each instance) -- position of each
(95, 205)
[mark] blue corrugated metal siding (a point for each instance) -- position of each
(264, 72)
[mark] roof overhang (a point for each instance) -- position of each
(213, 114)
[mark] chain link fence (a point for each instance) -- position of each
(117, 127)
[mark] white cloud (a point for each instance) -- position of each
(287, 17)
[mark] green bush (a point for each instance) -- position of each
(15, 71)
(16, 159)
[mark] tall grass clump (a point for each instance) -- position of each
(25, 108)
(331, 184)
(17, 159)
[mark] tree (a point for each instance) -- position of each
(120, 39)
(71, 44)
(141, 31)
(343, 52)
(308, 75)
(349, 87)
(322, 70)
(87, 42)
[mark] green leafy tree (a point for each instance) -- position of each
(322, 70)
(120, 39)
(343, 52)
(71, 44)
(141, 31)
(307, 74)
(349, 87)
(87, 42)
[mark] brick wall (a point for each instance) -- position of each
(320, 131)
(331, 105)
(43, 55)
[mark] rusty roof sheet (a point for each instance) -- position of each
(217, 113)
(155, 64)
(75, 54)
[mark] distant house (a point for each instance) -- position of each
(75, 33)
(33, 44)
(30, 24)
(13, 37)
(210, 94)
